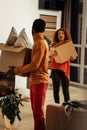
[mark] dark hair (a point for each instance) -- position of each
(39, 25)
(66, 32)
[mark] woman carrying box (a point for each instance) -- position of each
(60, 71)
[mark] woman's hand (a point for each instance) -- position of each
(53, 52)
(72, 58)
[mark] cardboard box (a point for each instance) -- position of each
(64, 52)
(13, 56)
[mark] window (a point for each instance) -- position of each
(51, 4)
(79, 34)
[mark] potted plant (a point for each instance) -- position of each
(9, 105)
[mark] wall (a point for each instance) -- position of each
(21, 14)
(18, 13)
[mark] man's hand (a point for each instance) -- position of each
(17, 70)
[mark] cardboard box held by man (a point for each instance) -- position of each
(15, 55)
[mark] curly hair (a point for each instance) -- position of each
(66, 32)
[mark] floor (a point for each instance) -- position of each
(26, 114)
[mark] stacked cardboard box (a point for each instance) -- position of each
(13, 56)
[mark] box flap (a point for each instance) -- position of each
(2, 46)
(5, 47)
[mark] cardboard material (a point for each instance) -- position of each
(65, 52)
(13, 56)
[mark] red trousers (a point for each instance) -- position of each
(38, 94)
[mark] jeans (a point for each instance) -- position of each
(58, 77)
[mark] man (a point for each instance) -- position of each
(38, 69)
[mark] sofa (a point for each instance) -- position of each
(57, 118)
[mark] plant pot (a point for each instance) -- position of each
(8, 125)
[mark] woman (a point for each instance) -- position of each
(60, 72)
